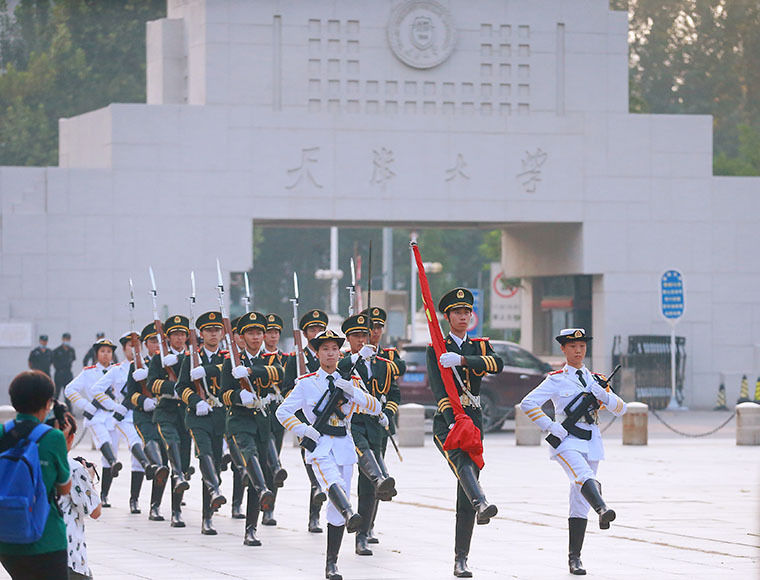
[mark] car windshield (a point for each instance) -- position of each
(414, 357)
(515, 356)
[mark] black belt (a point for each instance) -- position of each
(334, 431)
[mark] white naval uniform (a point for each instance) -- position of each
(577, 457)
(116, 380)
(79, 392)
(334, 457)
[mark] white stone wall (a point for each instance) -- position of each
(299, 110)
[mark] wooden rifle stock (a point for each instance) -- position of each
(245, 383)
(164, 348)
(138, 360)
(196, 360)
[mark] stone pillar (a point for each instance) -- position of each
(411, 425)
(748, 424)
(526, 433)
(636, 424)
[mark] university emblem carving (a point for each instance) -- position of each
(421, 33)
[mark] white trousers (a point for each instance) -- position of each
(578, 469)
(328, 472)
(104, 429)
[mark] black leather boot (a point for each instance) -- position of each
(251, 517)
(211, 482)
(314, 507)
(577, 527)
(340, 501)
(592, 491)
(156, 494)
(177, 521)
(334, 539)
(108, 453)
(371, 537)
(256, 479)
(468, 479)
(366, 504)
(159, 471)
(238, 488)
(179, 483)
(139, 453)
(134, 491)
(105, 486)
(267, 517)
(385, 487)
(386, 473)
(207, 512)
(462, 538)
(279, 475)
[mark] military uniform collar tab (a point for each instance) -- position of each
(210, 353)
(459, 341)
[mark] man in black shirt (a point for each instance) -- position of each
(41, 357)
(63, 357)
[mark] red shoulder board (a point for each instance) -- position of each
(226, 355)
(430, 344)
(390, 348)
(307, 375)
(482, 338)
(378, 357)
(292, 353)
(89, 367)
(559, 372)
(224, 352)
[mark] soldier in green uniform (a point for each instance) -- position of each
(247, 430)
(272, 354)
(142, 402)
(313, 323)
(199, 388)
(169, 415)
(379, 316)
(370, 438)
(470, 359)
(238, 475)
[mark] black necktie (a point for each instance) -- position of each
(105, 371)
(579, 372)
(331, 383)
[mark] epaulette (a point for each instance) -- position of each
(430, 344)
(89, 367)
(224, 352)
(378, 357)
(480, 339)
(292, 353)
(307, 375)
(390, 348)
(227, 355)
(559, 372)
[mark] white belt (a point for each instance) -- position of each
(468, 401)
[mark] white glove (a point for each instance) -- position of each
(366, 352)
(140, 374)
(246, 397)
(170, 360)
(202, 408)
(599, 392)
(354, 358)
(119, 412)
(346, 386)
(558, 430)
(311, 433)
(149, 405)
(449, 360)
(197, 373)
(382, 418)
(90, 410)
(240, 371)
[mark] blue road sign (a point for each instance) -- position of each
(671, 295)
(476, 324)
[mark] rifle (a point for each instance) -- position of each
(163, 347)
(297, 338)
(588, 403)
(245, 382)
(248, 301)
(134, 339)
(331, 407)
(195, 360)
(352, 291)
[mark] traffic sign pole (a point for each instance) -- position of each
(672, 306)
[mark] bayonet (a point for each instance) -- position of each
(297, 339)
(248, 300)
(162, 345)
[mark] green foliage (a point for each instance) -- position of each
(62, 58)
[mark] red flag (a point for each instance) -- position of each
(464, 434)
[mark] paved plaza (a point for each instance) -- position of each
(687, 508)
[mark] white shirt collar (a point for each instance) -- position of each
(458, 340)
(209, 354)
(322, 374)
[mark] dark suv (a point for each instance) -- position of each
(498, 393)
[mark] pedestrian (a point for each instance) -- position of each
(578, 447)
(31, 394)
(63, 357)
(41, 357)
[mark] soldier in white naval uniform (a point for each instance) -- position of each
(580, 451)
(334, 455)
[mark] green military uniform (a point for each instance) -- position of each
(370, 438)
(169, 417)
(205, 418)
(316, 496)
(137, 395)
(480, 359)
(247, 429)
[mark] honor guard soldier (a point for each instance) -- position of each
(238, 475)
(111, 391)
(169, 415)
(247, 430)
(326, 394)
(274, 356)
(470, 359)
(199, 387)
(41, 357)
(579, 447)
(312, 324)
(379, 317)
(64, 356)
(97, 419)
(142, 402)
(371, 438)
